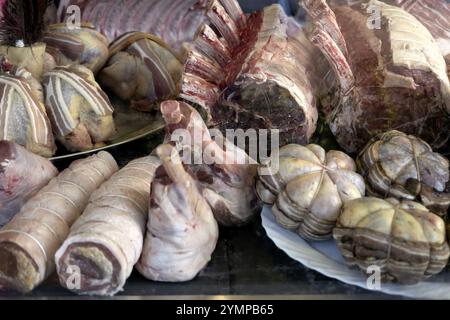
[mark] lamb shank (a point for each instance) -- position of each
(181, 232)
(225, 172)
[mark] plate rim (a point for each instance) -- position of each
(269, 224)
(109, 146)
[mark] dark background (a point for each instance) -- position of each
(290, 6)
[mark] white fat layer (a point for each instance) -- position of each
(3, 97)
(32, 108)
(54, 90)
(144, 55)
(7, 107)
(62, 106)
(99, 107)
(444, 44)
(413, 46)
(115, 219)
(62, 199)
(274, 26)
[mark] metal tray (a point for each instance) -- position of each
(131, 125)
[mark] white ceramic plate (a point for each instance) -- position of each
(325, 258)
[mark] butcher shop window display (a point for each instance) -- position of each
(247, 102)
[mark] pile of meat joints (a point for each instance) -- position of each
(156, 212)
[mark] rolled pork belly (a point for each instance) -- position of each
(106, 242)
(29, 242)
(22, 174)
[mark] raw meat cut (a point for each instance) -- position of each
(83, 45)
(174, 21)
(106, 242)
(23, 118)
(143, 69)
(402, 166)
(181, 232)
(434, 15)
(22, 174)
(226, 173)
(402, 239)
(309, 188)
(253, 72)
(29, 242)
(389, 78)
(80, 112)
